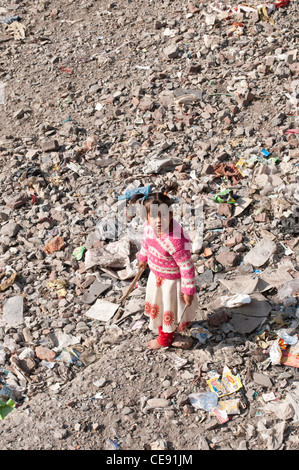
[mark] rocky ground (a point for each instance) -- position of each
(99, 98)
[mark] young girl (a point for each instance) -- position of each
(170, 299)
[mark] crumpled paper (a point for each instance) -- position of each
(18, 30)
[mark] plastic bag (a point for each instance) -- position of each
(289, 289)
(204, 401)
(290, 356)
(235, 301)
(278, 348)
(128, 194)
(275, 353)
(225, 196)
(78, 252)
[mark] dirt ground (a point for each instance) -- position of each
(72, 69)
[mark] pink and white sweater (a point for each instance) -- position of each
(169, 256)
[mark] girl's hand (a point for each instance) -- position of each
(142, 265)
(188, 299)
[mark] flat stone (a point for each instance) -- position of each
(262, 379)
(102, 310)
(248, 317)
(96, 289)
(13, 310)
(241, 284)
(261, 253)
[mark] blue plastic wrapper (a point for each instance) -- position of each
(145, 190)
(265, 153)
(112, 444)
(9, 19)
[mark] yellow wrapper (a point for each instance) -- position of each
(228, 384)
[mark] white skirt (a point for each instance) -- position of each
(164, 305)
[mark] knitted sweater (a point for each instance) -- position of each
(169, 256)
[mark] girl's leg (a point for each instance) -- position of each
(163, 340)
(154, 307)
(166, 320)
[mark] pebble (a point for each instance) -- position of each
(153, 403)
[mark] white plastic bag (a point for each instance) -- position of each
(235, 301)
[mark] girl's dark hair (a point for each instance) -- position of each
(158, 198)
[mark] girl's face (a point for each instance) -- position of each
(159, 218)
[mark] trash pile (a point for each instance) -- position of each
(98, 103)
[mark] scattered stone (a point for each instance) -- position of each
(227, 258)
(45, 353)
(172, 51)
(19, 114)
(203, 443)
(170, 392)
(8, 282)
(10, 230)
(225, 209)
(218, 317)
(154, 403)
(17, 201)
(56, 244)
(50, 146)
(182, 341)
